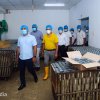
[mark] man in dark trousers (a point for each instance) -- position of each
(26, 55)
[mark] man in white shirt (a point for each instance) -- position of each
(61, 43)
(73, 36)
(26, 55)
(81, 36)
(68, 37)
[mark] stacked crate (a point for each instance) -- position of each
(6, 63)
(85, 49)
(12, 48)
(74, 84)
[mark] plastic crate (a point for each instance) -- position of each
(76, 85)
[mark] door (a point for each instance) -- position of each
(85, 24)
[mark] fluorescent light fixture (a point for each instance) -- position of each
(54, 5)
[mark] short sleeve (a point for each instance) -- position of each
(43, 39)
(18, 42)
(41, 35)
(56, 38)
(34, 43)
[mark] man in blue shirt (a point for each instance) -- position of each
(39, 36)
(26, 55)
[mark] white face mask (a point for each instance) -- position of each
(48, 31)
(60, 31)
(79, 30)
(87, 31)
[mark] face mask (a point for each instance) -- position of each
(72, 32)
(65, 30)
(24, 32)
(60, 31)
(34, 29)
(87, 31)
(79, 30)
(48, 31)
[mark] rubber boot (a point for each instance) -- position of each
(46, 71)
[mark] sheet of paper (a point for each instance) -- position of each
(91, 56)
(74, 54)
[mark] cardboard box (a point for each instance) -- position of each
(76, 54)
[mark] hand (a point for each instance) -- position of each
(42, 54)
(56, 55)
(17, 59)
(34, 59)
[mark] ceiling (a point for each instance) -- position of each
(35, 4)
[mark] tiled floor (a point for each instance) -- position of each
(33, 91)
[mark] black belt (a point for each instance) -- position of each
(61, 45)
(50, 50)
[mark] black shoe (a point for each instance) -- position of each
(36, 80)
(21, 87)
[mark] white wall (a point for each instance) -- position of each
(41, 17)
(1, 17)
(84, 9)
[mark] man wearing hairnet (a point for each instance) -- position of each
(81, 36)
(73, 36)
(68, 37)
(50, 49)
(26, 55)
(61, 43)
(39, 36)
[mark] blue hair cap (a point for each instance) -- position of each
(65, 27)
(49, 27)
(60, 28)
(78, 26)
(72, 29)
(34, 26)
(24, 26)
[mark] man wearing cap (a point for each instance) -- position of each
(50, 49)
(26, 55)
(39, 36)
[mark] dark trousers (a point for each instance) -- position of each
(62, 51)
(22, 64)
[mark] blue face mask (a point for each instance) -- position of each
(24, 32)
(34, 29)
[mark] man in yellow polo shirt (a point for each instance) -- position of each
(50, 48)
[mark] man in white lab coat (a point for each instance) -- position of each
(73, 36)
(81, 36)
(68, 37)
(61, 43)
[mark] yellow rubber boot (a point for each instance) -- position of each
(46, 71)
